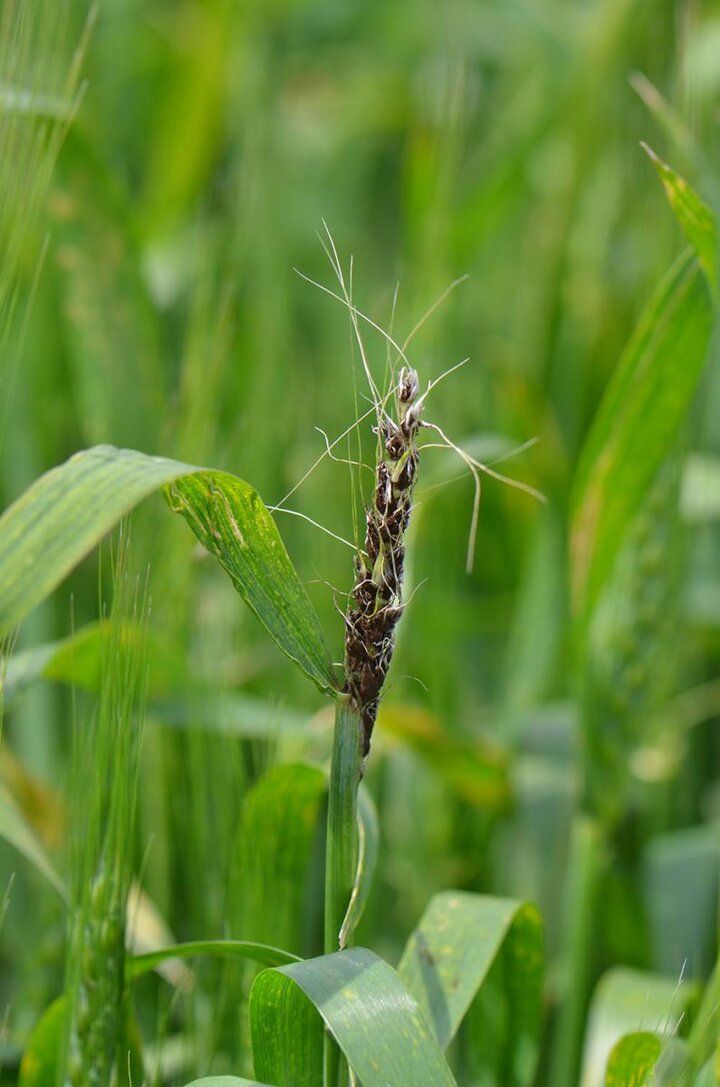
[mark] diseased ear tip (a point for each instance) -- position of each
(408, 384)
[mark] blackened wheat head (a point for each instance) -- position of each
(376, 601)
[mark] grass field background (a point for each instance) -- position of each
(166, 170)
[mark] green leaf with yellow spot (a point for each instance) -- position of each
(67, 511)
(480, 959)
(362, 1002)
(693, 214)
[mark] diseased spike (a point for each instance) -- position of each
(376, 600)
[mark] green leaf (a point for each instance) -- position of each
(234, 715)
(276, 847)
(628, 1001)
(474, 949)
(231, 521)
(218, 949)
(39, 1065)
(65, 513)
(693, 215)
(361, 1000)
(643, 1059)
(704, 1034)
(23, 669)
(15, 829)
(632, 1060)
(644, 406)
(368, 844)
(77, 660)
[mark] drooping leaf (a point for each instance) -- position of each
(77, 660)
(230, 520)
(627, 1002)
(476, 950)
(642, 411)
(61, 517)
(693, 215)
(233, 714)
(218, 949)
(375, 1021)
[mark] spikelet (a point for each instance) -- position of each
(107, 759)
(376, 601)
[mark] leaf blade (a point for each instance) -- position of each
(362, 1001)
(232, 523)
(692, 213)
(228, 949)
(66, 512)
(645, 404)
(448, 963)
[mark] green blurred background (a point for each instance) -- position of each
(153, 303)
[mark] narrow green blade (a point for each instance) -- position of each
(693, 215)
(361, 1000)
(643, 409)
(474, 949)
(368, 844)
(217, 949)
(65, 513)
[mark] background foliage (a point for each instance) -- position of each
(549, 733)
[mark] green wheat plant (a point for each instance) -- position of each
(230, 520)
(462, 828)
